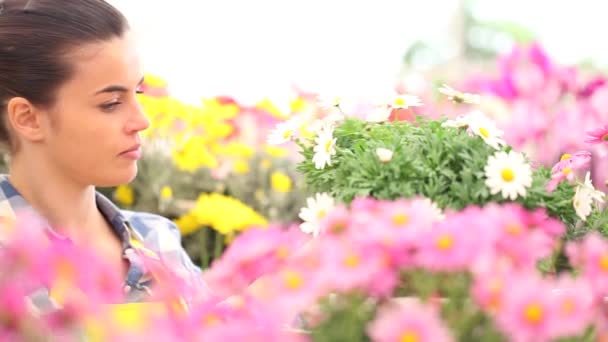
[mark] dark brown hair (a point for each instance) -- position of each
(36, 37)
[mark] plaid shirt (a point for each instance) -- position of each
(146, 232)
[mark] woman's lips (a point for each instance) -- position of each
(132, 153)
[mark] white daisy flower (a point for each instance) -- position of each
(284, 131)
(508, 174)
(479, 124)
(404, 101)
(325, 147)
(459, 97)
(331, 119)
(461, 121)
(379, 114)
(385, 155)
(327, 101)
(317, 208)
(584, 197)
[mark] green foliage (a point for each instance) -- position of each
(443, 164)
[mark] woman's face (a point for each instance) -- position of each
(93, 128)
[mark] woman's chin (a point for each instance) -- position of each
(119, 177)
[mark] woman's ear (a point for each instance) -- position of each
(24, 119)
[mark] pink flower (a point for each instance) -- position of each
(591, 254)
(411, 321)
(565, 168)
(524, 236)
(360, 267)
(527, 312)
(488, 289)
(252, 254)
(395, 226)
(337, 222)
(293, 289)
(451, 245)
(575, 306)
(597, 136)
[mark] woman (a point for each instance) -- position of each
(69, 74)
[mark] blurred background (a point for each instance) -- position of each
(254, 49)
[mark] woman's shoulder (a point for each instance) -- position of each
(152, 226)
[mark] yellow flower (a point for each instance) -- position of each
(155, 81)
(280, 182)
(275, 151)
(225, 214)
(241, 167)
(166, 193)
(188, 224)
(298, 105)
(235, 150)
(124, 195)
(194, 154)
(268, 106)
(265, 164)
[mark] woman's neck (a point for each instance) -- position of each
(69, 207)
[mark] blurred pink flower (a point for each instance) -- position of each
(527, 313)
(363, 267)
(252, 254)
(597, 136)
(451, 245)
(591, 255)
(411, 321)
(575, 306)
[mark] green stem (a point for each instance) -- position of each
(219, 245)
(204, 253)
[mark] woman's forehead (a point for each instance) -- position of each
(113, 61)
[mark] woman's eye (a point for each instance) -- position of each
(108, 107)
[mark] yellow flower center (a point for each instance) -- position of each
(445, 242)
(605, 137)
(293, 280)
(565, 156)
(287, 134)
(282, 252)
(533, 313)
(409, 336)
(399, 101)
(507, 175)
(321, 214)
(567, 170)
(210, 319)
(328, 146)
(604, 262)
(400, 219)
(484, 132)
(338, 227)
(568, 306)
(514, 229)
(352, 260)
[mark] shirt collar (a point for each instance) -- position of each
(11, 202)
